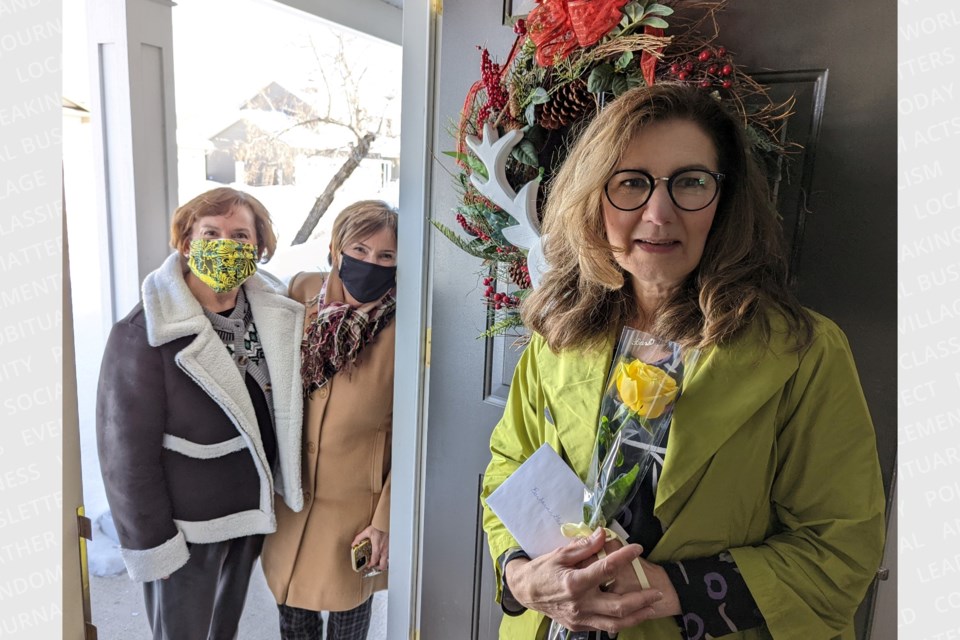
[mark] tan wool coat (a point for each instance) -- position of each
(347, 433)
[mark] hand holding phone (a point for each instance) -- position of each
(360, 554)
(369, 551)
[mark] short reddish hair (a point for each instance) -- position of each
(220, 202)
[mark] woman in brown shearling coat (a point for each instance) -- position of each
(347, 353)
(198, 425)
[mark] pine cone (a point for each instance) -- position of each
(519, 274)
(570, 103)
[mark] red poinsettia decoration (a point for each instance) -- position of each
(558, 27)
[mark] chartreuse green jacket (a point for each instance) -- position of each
(772, 455)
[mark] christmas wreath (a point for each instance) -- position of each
(570, 59)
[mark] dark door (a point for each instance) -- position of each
(839, 212)
(840, 206)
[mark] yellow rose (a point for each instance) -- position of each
(645, 388)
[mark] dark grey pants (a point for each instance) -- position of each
(203, 599)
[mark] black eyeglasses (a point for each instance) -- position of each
(690, 189)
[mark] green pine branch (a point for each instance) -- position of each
(451, 235)
(511, 321)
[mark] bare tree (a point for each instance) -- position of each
(354, 117)
(322, 203)
(339, 102)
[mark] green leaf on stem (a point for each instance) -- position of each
(617, 492)
(623, 61)
(456, 155)
(653, 21)
(531, 114)
(475, 164)
(618, 84)
(526, 153)
(634, 11)
(471, 161)
(535, 134)
(539, 96)
(599, 79)
(588, 513)
(658, 10)
(604, 434)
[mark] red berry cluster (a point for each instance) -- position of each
(708, 69)
(497, 299)
(472, 229)
(520, 27)
(496, 95)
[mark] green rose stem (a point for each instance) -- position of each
(613, 485)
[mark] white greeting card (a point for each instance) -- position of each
(540, 496)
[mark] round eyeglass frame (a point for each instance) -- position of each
(653, 185)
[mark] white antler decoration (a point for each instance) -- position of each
(493, 152)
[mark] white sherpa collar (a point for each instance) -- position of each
(172, 312)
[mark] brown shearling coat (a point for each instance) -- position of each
(347, 434)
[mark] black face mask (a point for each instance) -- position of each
(366, 281)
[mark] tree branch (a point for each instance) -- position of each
(323, 203)
(320, 120)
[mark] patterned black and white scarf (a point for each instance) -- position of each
(239, 334)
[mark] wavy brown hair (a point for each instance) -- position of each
(741, 275)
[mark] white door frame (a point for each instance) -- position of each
(420, 26)
(376, 18)
(419, 38)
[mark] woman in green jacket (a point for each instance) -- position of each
(766, 518)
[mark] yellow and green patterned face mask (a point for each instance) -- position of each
(222, 264)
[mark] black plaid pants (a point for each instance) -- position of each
(303, 624)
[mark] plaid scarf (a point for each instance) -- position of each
(336, 336)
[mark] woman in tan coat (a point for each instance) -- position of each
(347, 373)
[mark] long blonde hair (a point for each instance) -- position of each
(742, 272)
